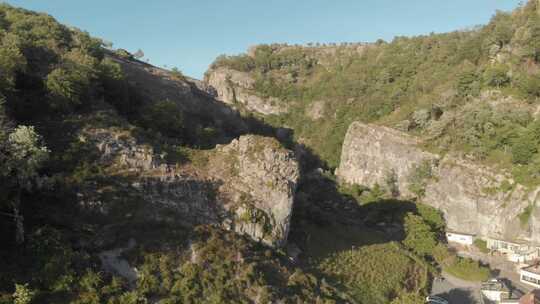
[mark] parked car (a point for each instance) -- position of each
(435, 300)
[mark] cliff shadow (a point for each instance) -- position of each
(326, 219)
(460, 295)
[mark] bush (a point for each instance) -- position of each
(481, 245)
(468, 84)
(418, 178)
(165, 117)
(524, 149)
(177, 74)
(496, 76)
(419, 236)
(530, 86)
(23, 294)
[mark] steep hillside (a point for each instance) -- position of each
(121, 182)
(125, 183)
(473, 90)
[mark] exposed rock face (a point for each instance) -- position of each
(121, 148)
(195, 98)
(262, 187)
(370, 154)
(474, 199)
(247, 185)
(237, 87)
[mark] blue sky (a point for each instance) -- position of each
(190, 34)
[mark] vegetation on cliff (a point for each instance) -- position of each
(61, 205)
(471, 90)
(456, 89)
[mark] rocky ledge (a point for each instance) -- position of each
(247, 185)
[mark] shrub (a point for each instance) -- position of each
(432, 216)
(523, 149)
(124, 54)
(468, 84)
(177, 74)
(391, 181)
(496, 76)
(481, 245)
(23, 294)
(165, 117)
(418, 178)
(525, 216)
(419, 236)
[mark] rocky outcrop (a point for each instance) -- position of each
(262, 186)
(247, 186)
(120, 148)
(474, 199)
(236, 88)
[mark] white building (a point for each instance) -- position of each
(515, 251)
(530, 275)
(460, 238)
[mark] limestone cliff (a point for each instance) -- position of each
(370, 154)
(474, 198)
(236, 88)
(247, 185)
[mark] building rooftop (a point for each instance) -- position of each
(514, 242)
(461, 233)
(532, 269)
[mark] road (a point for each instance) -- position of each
(456, 291)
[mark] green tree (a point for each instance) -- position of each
(502, 30)
(419, 236)
(530, 85)
(20, 158)
(166, 117)
(70, 84)
(524, 148)
(23, 294)
(496, 75)
(11, 59)
(467, 84)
